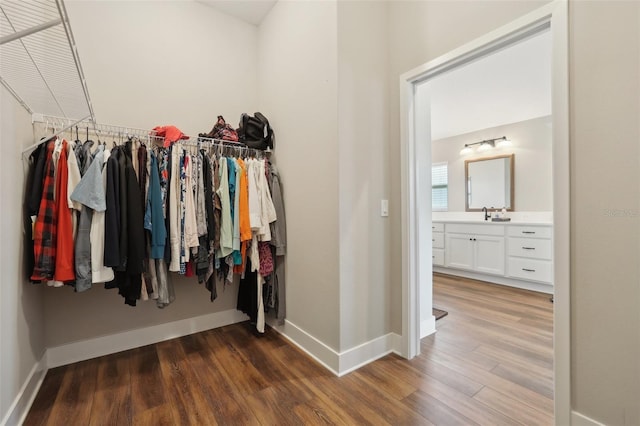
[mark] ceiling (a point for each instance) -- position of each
(509, 86)
(250, 11)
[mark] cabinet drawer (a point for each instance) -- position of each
(437, 227)
(480, 229)
(530, 269)
(529, 231)
(438, 257)
(437, 240)
(532, 248)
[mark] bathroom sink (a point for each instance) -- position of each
(500, 219)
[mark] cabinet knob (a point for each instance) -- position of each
(528, 248)
(528, 270)
(528, 232)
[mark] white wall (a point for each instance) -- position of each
(363, 128)
(21, 307)
(605, 210)
(323, 76)
(298, 80)
(148, 64)
(532, 148)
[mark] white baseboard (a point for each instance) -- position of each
(105, 345)
(578, 419)
(316, 349)
(363, 354)
(427, 326)
(509, 282)
(27, 394)
(339, 363)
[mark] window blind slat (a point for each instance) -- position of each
(439, 187)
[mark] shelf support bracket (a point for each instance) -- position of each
(19, 34)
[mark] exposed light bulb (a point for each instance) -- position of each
(486, 146)
(504, 142)
(466, 150)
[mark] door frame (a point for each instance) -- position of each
(416, 215)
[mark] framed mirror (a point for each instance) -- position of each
(489, 183)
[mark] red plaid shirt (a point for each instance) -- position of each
(65, 266)
(44, 232)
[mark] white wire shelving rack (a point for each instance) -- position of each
(83, 129)
(39, 62)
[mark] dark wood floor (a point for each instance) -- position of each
(490, 363)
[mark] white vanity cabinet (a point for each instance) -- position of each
(514, 254)
(478, 248)
(530, 253)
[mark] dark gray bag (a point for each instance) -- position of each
(255, 131)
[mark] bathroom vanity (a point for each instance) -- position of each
(516, 253)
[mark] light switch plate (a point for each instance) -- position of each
(384, 208)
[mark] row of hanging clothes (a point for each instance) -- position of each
(128, 214)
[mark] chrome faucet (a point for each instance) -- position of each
(486, 213)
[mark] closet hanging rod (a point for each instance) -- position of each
(64, 129)
(96, 127)
(220, 141)
(222, 144)
(121, 130)
(232, 144)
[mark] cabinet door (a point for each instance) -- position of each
(459, 252)
(489, 254)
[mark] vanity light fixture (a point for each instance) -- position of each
(486, 145)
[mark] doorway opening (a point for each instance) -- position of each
(416, 174)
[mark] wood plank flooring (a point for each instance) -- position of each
(490, 363)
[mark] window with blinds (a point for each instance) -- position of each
(439, 187)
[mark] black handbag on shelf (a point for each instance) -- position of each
(255, 131)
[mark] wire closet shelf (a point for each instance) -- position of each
(40, 64)
(86, 125)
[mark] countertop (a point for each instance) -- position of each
(488, 222)
(476, 218)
